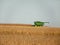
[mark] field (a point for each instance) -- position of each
(29, 35)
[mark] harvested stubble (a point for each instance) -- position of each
(29, 35)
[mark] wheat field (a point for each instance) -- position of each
(29, 35)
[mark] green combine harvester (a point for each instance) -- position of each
(39, 23)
